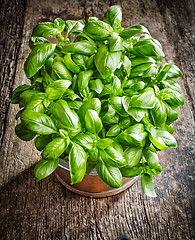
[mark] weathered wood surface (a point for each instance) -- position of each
(46, 210)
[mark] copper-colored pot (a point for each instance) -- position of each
(91, 185)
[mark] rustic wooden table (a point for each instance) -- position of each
(46, 210)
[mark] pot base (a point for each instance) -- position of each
(91, 185)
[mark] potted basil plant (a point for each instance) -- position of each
(104, 101)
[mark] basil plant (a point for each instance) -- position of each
(104, 101)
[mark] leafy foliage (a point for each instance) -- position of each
(104, 101)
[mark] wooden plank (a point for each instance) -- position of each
(46, 210)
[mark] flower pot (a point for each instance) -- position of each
(91, 185)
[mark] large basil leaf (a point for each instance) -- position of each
(93, 104)
(158, 113)
(113, 131)
(98, 30)
(42, 141)
(147, 185)
(37, 58)
(115, 43)
(23, 133)
(80, 60)
(114, 155)
(83, 79)
(83, 47)
(136, 135)
(137, 113)
(174, 72)
(48, 29)
(86, 140)
(131, 31)
(144, 100)
(170, 83)
(172, 113)
(110, 116)
(74, 27)
(92, 121)
(113, 16)
(140, 68)
(57, 89)
(34, 41)
(103, 143)
(111, 176)
(77, 163)
(132, 171)
(16, 93)
(65, 116)
(132, 156)
(172, 97)
(141, 60)
(70, 64)
(96, 85)
(55, 148)
(44, 168)
(59, 71)
(36, 104)
(148, 47)
(106, 62)
(116, 103)
(38, 122)
(27, 96)
(160, 138)
(151, 158)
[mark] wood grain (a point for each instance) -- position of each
(46, 210)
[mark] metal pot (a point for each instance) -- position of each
(91, 185)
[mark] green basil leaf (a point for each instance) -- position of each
(36, 104)
(85, 140)
(150, 72)
(163, 71)
(144, 100)
(27, 96)
(59, 71)
(172, 113)
(93, 104)
(115, 43)
(59, 24)
(113, 131)
(34, 41)
(116, 103)
(16, 93)
(65, 116)
(158, 113)
(44, 168)
(106, 62)
(116, 85)
(103, 143)
(136, 135)
(132, 172)
(174, 72)
(98, 30)
(113, 16)
(83, 47)
(74, 27)
(172, 97)
(132, 156)
(23, 133)
(147, 185)
(110, 116)
(55, 148)
(70, 94)
(38, 122)
(83, 79)
(45, 29)
(140, 68)
(77, 163)
(170, 83)
(126, 65)
(111, 176)
(137, 113)
(131, 31)
(90, 166)
(92, 121)
(56, 89)
(46, 78)
(141, 60)
(37, 58)
(114, 156)
(96, 85)
(151, 158)
(80, 60)
(148, 48)
(42, 141)
(70, 64)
